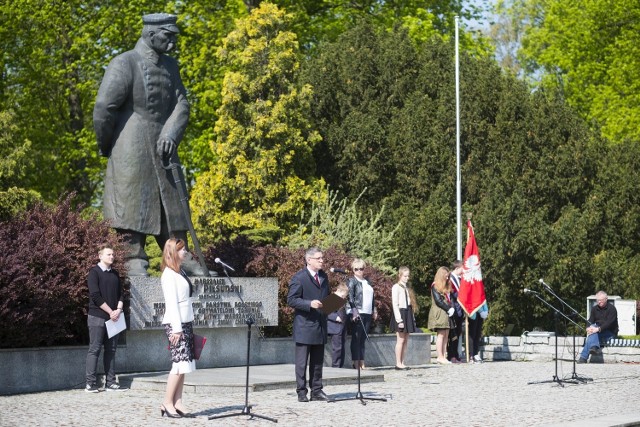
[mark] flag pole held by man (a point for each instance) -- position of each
(471, 296)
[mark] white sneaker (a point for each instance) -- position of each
(477, 358)
(115, 387)
(90, 388)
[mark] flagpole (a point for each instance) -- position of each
(466, 332)
(466, 315)
(458, 179)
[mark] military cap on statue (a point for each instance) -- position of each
(164, 21)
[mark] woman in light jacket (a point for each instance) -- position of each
(361, 307)
(403, 322)
(441, 312)
(178, 325)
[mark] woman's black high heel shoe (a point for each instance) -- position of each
(163, 412)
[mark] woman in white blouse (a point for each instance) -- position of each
(403, 321)
(362, 309)
(178, 324)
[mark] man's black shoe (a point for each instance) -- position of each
(582, 360)
(319, 395)
(594, 350)
(302, 398)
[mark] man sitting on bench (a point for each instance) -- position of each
(603, 325)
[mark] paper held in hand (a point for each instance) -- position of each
(114, 328)
(332, 303)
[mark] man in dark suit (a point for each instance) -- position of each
(307, 289)
(456, 333)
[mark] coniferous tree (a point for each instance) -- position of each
(14, 159)
(263, 176)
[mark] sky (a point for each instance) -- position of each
(484, 23)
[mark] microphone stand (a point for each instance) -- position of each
(557, 313)
(548, 288)
(246, 410)
(574, 375)
(359, 396)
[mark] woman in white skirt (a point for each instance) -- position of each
(178, 324)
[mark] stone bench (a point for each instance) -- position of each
(541, 347)
(611, 349)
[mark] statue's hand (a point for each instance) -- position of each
(165, 147)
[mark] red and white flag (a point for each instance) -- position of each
(471, 295)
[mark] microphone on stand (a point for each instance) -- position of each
(545, 285)
(227, 266)
(338, 270)
(528, 291)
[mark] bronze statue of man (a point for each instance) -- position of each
(140, 116)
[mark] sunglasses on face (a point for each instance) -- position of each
(358, 269)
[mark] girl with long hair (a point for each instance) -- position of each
(441, 312)
(402, 322)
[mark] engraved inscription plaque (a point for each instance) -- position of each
(215, 302)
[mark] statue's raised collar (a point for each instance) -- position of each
(147, 52)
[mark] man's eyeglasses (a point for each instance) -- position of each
(318, 258)
(358, 269)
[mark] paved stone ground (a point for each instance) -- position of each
(488, 394)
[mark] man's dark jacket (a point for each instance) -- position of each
(309, 324)
(606, 318)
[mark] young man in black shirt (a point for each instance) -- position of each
(105, 303)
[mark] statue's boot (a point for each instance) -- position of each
(137, 267)
(189, 264)
(136, 259)
(193, 267)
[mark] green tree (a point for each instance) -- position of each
(54, 54)
(14, 160)
(52, 59)
(317, 21)
(350, 227)
(590, 51)
(531, 169)
(203, 26)
(611, 217)
(263, 176)
(359, 83)
(536, 173)
(385, 111)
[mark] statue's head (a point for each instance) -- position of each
(160, 31)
